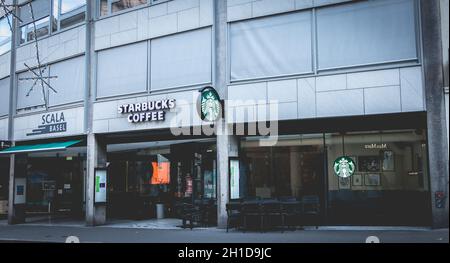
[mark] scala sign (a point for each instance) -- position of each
(147, 111)
(51, 123)
(344, 166)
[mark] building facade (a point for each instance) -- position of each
(101, 115)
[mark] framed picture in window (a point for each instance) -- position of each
(388, 161)
(357, 179)
(344, 183)
(369, 163)
(372, 179)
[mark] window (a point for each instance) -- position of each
(5, 35)
(113, 6)
(4, 99)
(70, 81)
(292, 167)
(67, 13)
(390, 181)
(27, 32)
(41, 11)
(122, 70)
(367, 32)
(181, 60)
(28, 97)
(272, 46)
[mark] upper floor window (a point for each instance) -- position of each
(5, 35)
(39, 10)
(49, 16)
(366, 32)
(108, 7)
(67, 13)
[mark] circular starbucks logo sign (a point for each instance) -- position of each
(344, 166)
(210, 106)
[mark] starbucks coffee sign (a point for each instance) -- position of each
(344, 166)
(210, 105)
(147, 111)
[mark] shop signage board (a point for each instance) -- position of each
(50, 123)
(234, 179)
(20, 191)
(147, 111)
(210, 104)
(100, 185)
(344, 166)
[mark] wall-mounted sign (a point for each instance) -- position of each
(100, 185)
(344, 166)
(376, 146)
(210, 106)
(20, 191)
(50, 123)
(5, 144)
(234, 179)
(49, 185)
(147, 111)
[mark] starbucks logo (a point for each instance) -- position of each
(344, 166)
(210, 104)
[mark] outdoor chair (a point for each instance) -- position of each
(191, 215)
(291, 214)
(311, 210)
(234, 215)
(272, 214)
(252, 210)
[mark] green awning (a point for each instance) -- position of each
(54, 146)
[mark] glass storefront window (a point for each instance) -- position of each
(293, 167)
(390, 181)
(172, 174)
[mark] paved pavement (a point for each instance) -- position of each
(56, 233)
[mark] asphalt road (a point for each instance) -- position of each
(28, 233)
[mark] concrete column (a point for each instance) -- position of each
(96, 158)
(11, 190)
(227, 144)
(17, 169)
(12, 77)
(295, 171)
(436, 116)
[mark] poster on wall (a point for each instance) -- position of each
(234, 179)
(388, 161)
(369, 163)
(20, 191)
(372, 180)
(100, 186)
(344, 183)
(357, 180)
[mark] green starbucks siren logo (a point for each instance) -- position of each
(344, 166)
(210, 106)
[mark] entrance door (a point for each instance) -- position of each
(55, 186)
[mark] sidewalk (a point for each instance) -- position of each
(105, 234)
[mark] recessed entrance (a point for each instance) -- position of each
(155, 180)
